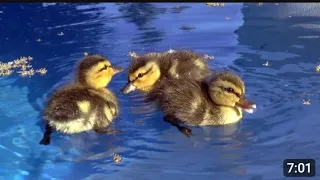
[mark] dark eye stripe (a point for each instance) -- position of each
(105, 67)
(237, 94)
(231, 90)
(141, 74)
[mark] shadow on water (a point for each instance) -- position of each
(142, 15)
(58, 54)
(139, 13)
(285, 44)
(286, 36)
(53, 52)
(36, 164)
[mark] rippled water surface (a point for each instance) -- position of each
(241, 37)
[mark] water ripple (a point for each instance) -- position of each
(241, 37)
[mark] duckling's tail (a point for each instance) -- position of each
(46, 136)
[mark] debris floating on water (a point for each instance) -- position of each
(215, 4)
(318, 68)
(60, 34)
(42, 71)
(5, 72)
(206, 56)
(86, 54)
(39, 40)
(28, 73)
(266, 63)
(132, 54)
(24, 66)
(306, 102)
(116, 158)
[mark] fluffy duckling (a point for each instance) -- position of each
(146, 72)
(218, 101)
(85, 104)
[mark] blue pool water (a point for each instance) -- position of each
(241, 37)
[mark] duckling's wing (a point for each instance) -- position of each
(62, 110)
(186, 64)
(193, 65)
(108, 101)
(183, 99)
(64, 105)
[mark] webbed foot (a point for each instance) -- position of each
(175, 122)
(185, 131)
(46, 139)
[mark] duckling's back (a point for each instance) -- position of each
(77, 109)
(180, 64)
(184, 64)
(186, 100)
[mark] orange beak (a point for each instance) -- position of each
(246, 105)
(128, 88)
(117, 70)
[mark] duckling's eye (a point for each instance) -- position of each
(140, 75)
(228, 89)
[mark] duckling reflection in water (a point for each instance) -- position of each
(86, 104)
(149, 71)
(218, 101)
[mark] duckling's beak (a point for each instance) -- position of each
(128, 88)
(117, 70)
(246, 105)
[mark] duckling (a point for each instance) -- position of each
(217, 100)
(150, 70)
(85, 104)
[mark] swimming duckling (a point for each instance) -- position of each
(86, 104)
(218, 101)
(146, 72)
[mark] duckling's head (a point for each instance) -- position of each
(96, 71)
(144, 72)
(228, 89)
